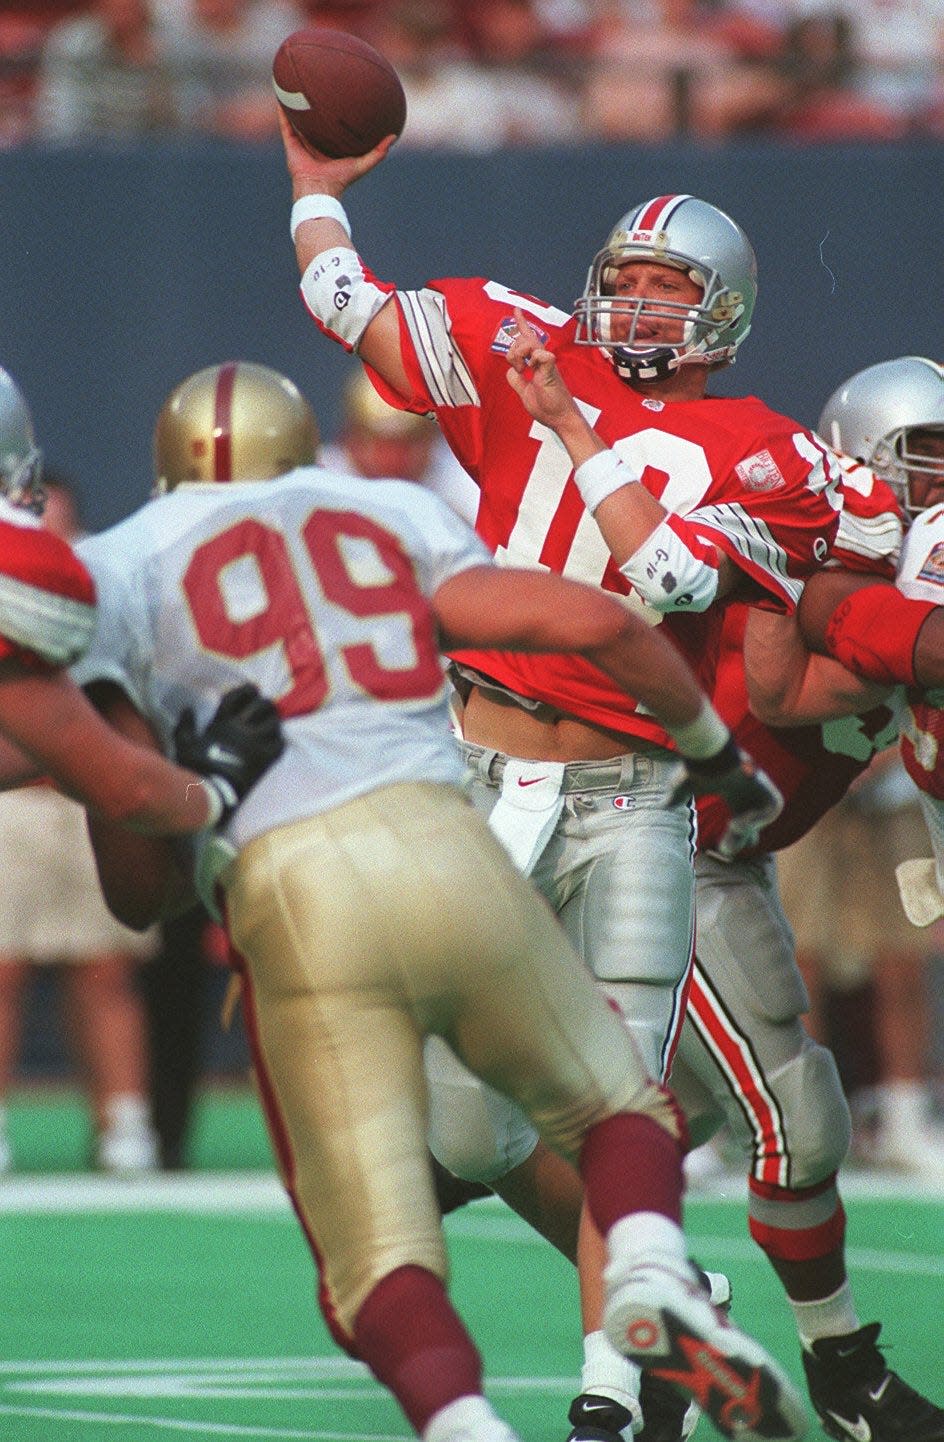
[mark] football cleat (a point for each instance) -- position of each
(658, 1315)
(857, 1397)
(667, 1416)
(600, 1419)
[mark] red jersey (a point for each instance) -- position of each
(47, 597)
(813, 766)
(921, 575)
(755, 484)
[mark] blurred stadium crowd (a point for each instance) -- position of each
(480, 74)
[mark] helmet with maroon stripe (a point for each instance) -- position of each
(21, 461)
(875, 414)
(238, 421)
(696, 238)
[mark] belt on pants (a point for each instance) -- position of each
(619, 773)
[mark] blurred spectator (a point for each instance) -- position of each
(896, 48)
(862, 69)
(821, 65)
(105, 73)
(667, 67)
(504, 94)
(376, 440)
(867, 968)
(357, 17)
(52, 912)
(21, 37)
(222, 62)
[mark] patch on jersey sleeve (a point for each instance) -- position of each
(760, 472)
(507, 332)
(932, 568)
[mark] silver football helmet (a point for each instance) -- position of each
(21, 461)
(694, 237)
(233, 422)
(872, 415)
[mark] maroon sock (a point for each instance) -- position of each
(629, 1163)
(413, 1342)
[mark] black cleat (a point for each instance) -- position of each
(599, 1419)
(857, 1397)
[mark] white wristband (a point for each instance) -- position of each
(703, 737)
(599, 477)
(318, 207)
(215, 803)
(221, 798)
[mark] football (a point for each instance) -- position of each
(340, 94)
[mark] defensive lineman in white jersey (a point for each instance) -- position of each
(196, 591)
(370, 905)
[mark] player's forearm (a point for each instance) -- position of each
(648, 667)
(48, 718)
(139, 876)
(874, 630)
(789, 686)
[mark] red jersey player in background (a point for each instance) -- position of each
(744, 1056)
(744, 1053)
(735, 502)
(47, 619)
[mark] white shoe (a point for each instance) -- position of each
(905, 1136)
(657, 1314)
(128, 1145)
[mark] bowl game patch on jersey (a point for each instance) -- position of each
(508, 331)
(760, 472)
(932, 567)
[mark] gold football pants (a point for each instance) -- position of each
(362, 930)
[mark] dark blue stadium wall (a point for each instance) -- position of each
(123, 270)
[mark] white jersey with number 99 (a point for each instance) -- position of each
(315, 587)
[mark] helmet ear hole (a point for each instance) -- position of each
(238, 421)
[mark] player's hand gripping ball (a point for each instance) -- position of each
(341, 95)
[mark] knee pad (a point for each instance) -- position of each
(474, 1132)
(816, 1122)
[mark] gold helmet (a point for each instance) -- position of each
(365, 410)
(232, 422)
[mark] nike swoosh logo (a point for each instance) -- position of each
(221, 756)
(533, 782)
(859, 1429)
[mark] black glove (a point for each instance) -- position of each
(232, 751)
(751, 796)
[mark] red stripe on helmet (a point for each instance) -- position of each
(656, 214)
(223, 423)
(650, 213)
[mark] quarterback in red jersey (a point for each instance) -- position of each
(734, 501)
(47, 620)
(744, 1055)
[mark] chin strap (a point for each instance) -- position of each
(657, 366)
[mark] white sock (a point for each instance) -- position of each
(607, 1373)
(904, 1105)
(468, 1419)
(127, 1110)
(646, 1237)
(833, 1316)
